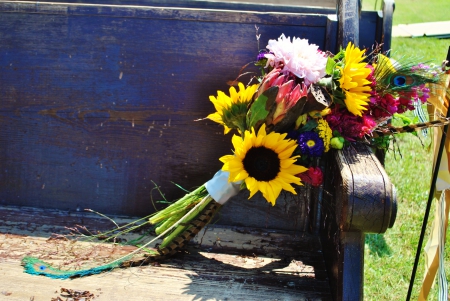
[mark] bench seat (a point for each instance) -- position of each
(221, 263)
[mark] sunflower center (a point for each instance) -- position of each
(262, 163)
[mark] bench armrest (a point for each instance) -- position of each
(365, 197)
(358, 198)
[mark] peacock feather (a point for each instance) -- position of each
(403, 75)
(391, 130)
(35, 266)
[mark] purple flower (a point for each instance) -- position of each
(262, 55)
(311, 144)
(419, 67)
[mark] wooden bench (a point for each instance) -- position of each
(98, 103)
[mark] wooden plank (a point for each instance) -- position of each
(90, 117)
(160, 284)
(97, 104)
(321, 3)
(367, 196)
(348, 15)
(295, 6)
(222, 262)
(164, 13)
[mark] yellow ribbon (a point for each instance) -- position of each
(434, 250)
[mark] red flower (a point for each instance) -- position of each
(313, 176)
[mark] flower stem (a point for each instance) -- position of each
(186, 219)
(181, 206)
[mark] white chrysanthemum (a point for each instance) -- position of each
(299, 57)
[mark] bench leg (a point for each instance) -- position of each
(351, 269)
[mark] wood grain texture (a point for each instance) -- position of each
(348, 16)
(233, 263)
(295, 6)
(366, 201)
(98, 102)
(388, 14)
(359, 198)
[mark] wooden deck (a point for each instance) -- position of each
(222, 263)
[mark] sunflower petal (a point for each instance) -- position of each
(252, 186)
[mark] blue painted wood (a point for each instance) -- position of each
(386, 32)
(374, 26)
(98, 102)
(313, 7)
(348, 17)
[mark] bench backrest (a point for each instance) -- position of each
(98, 102)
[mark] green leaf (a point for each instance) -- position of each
(259, 109)
(309, 126)
(330, 66)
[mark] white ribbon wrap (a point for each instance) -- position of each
(220, 189)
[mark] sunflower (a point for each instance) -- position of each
(232, 110)
(264, 162)
(354, 80)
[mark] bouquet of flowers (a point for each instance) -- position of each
(304, 103)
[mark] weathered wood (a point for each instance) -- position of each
(366, 200)
(297, 6)
(348, 16)
(386, 30)
(90, 117)
(359, 198)
(222, 262)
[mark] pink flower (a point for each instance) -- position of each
(289, 92)
(299, 57)
(313, 176)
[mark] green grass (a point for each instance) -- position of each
(429, 49)
(389, 257)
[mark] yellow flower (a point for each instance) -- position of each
(354, 80)
(232, 110)
(325, 133)
(264, 162)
